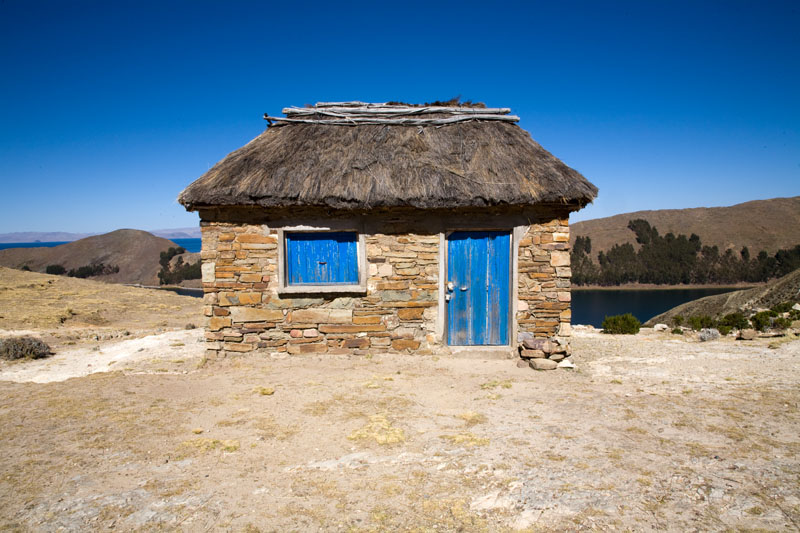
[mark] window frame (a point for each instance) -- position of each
(361, 261)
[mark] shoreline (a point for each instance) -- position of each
(654, 287)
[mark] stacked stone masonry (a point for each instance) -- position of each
(246, 313)
(544, 277)
(399, 311)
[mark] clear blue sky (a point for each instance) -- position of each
(109, 109)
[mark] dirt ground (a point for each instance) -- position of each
(648, 432)
(68, 312)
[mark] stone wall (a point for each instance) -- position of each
(245, 312)
(543, 285)
(400, 310)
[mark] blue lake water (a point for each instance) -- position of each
(4, 245)
(191, 245)
(592, 306)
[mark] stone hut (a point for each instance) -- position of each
(355, 228)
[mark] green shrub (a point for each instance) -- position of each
(760, 320)
(23, 347)
(781, 323)
(783, 307)
(677, 331)
(57, 270)
(626, 324)
(723, 329)
(677, 320)
(25, 268)
(698, 322)
(95, 269)
(167, 256)
(182, 271)
(734, 320)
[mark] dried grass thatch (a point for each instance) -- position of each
(473, 162)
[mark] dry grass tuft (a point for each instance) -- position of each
(466, 439)
(472, 418)
(489, 385)
(203, 445)
(380, 430)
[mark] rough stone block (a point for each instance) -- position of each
(532, 354)
(310, 316)
(395, 296)
(360, 343)
(747, 334)
(249, 298)
(238, 347)
(252, 314)
(543, 364)
(356, 328)
(367, 319)
(207, 270)
(216, 323)
(340, 316)
(298, 349)
(392, 285)
(563, 272)
(255, 238)
(410, 313)
(559, 258)
(385, 270)
(405, 344)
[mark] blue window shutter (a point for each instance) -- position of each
(327, 258)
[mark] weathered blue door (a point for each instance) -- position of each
(478, 270)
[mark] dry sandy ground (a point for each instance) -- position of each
(652, 432)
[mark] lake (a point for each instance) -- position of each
(592, 306)
(190, 245)
(4, 245)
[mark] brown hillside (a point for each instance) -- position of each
(785, 289)
(135, 252)
(768, 225)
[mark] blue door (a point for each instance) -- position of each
(479, 271)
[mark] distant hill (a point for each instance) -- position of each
(768, 225)
(785, 289)
(135, 252)
(41, 236)
(63, 236)
(178, 233)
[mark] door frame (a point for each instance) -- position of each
(516, 233)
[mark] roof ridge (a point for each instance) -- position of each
(353, 113)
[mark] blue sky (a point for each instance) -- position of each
(109, 109)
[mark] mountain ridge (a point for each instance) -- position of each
(65, 236)
(768, 225)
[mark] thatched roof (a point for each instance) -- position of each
(351, 155)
